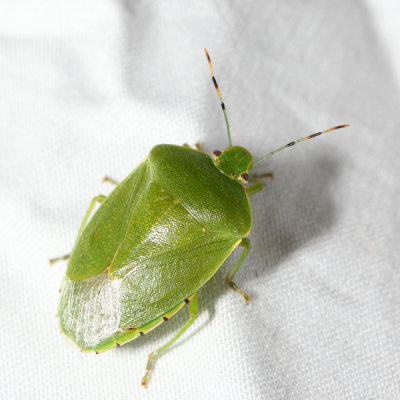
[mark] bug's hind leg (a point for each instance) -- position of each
(258, 185)
(56, 259)
(98, 199)
(229, 278)
(193, 313)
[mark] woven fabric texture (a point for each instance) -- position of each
(87, 88)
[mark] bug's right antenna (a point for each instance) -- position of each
(303, 139)
(220, 97)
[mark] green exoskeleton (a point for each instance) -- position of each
(160, 235)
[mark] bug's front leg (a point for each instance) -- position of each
(193, 313)
(229, 278)
(258, 185)
(197, 146)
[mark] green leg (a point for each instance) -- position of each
(229, 278)
(193, 313)
(258, 185)
(198, 147)
(110, 180)
(64, 257)
(100, 198)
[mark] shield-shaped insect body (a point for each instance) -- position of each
(156, 240)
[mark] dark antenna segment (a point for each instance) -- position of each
(296, 141)
(220, 97)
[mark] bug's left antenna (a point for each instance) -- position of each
(220, 97)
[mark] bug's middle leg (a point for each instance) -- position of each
(98, 199)
(193, 313)
(55, 259)
(229, 278)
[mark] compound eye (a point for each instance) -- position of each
(245, 177)
(216, 153)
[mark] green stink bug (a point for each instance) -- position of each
(159, 236)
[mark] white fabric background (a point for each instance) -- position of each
(87, 88)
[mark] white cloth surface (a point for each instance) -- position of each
(87, 88)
